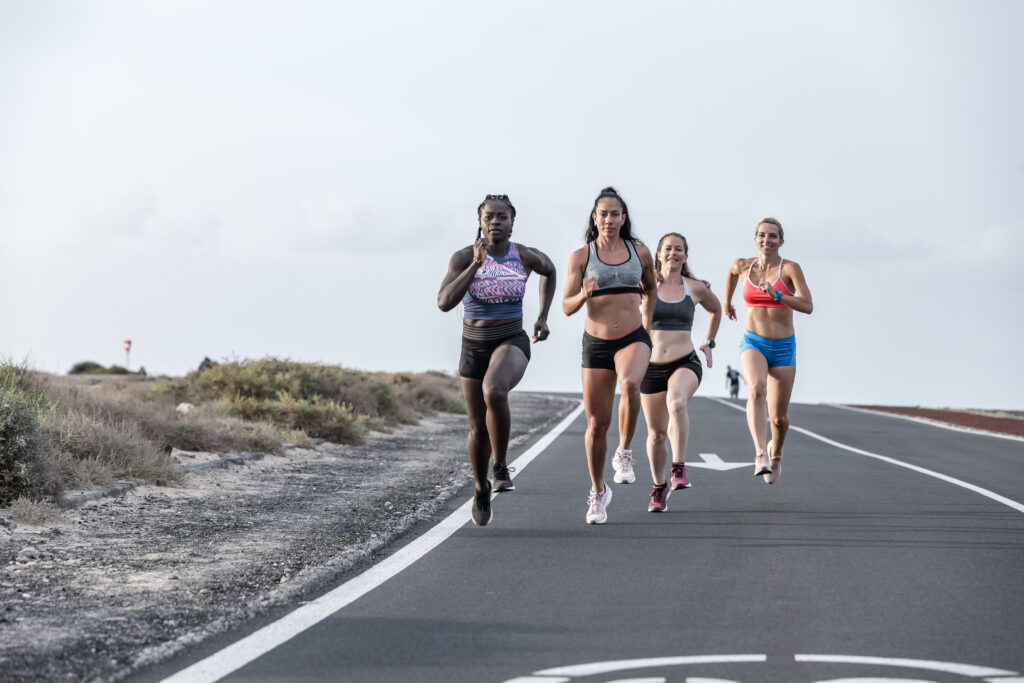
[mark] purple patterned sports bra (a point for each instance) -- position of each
(498, 287)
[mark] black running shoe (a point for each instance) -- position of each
(502, 478)
(482, 506)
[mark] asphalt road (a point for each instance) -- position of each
(851, 568)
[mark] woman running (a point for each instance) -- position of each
(609, 274)
(489, 279)
(674, 372)
(772, 288)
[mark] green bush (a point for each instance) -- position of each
(88, 367)
(24, 468)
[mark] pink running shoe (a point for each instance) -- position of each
(761, 466)
(597, 505)
(659, 498)
(622, 463)
(679, 478)
(776, 465)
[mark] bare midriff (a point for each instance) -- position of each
(613, 316)
(670, 345)
(773, 323)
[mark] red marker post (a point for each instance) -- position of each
(127, 352)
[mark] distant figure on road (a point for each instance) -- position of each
(489, 278)
(732, 381)
(609, 274)
(674, 372)
(772, 289)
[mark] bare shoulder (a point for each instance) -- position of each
(642, 250)
(578, 258)
(740, 265)
(698, 287)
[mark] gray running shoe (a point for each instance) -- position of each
(502, 477)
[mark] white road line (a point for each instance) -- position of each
(1019, 507)
(948, 667)
(240, 653)
(929, 421)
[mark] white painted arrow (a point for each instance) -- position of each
(713, 462)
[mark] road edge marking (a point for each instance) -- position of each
(256, 644)
(1019, 507)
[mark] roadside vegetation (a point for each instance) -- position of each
(90, 429)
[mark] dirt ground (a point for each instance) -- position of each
(998, 421)
(121, 582)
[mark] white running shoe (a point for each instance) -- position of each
(622, 463)
(597, 505)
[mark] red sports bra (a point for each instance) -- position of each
(755, 297)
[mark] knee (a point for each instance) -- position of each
(780, 422)
(657, 437)
(677, 405)
(495, 395)
(630, 387)
(759, 391)
(598, 424)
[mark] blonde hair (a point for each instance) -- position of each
(770, 221)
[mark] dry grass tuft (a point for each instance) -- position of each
(34, 512)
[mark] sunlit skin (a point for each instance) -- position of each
(666, 412)
(611, 316)
(769, 389)
(487, 399)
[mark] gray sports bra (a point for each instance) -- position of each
(674, 315)
(621, 278)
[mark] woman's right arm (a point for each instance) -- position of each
(730, 287)
(461, 269)
(577, 288)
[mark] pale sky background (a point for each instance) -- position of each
(241, 179)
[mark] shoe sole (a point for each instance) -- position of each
(679, 487)
(619, 479)
(504, 487)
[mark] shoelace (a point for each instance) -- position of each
(625, 460)
(502, 472)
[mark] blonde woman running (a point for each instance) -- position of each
(772, 288)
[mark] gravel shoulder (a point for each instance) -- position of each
(121, 582)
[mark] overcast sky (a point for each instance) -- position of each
(241, 179)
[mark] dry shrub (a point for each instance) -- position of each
(34, 512)
(325, 401)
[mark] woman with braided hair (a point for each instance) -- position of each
(609, 275)
(489, 279)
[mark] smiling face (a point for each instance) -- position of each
(608, 216)
(495, 220)
(768, 238)
(671, 253)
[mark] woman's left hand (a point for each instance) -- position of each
(540, 330)
(707, 353)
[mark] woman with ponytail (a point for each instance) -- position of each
(675, 370)
(610, 275)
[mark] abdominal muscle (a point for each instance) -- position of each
(612, 316)
(773, 323)
(670, 345)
